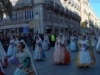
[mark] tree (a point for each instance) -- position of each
(5, 7)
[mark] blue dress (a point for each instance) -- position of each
(73, 46)
(39, 53)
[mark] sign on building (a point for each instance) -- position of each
(34, 24)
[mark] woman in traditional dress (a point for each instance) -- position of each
(98, 45)
(93, 42)
(2, 55)
(73, 45)
(61, 55)
(65, 40)
(85, 57)
(79, 42)
(39, 53)
(46, 43)
(15, 51)
(10, 48)
(25, 66)
(5, 43)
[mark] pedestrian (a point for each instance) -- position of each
(53, 39)
(85, 57)
(5, 42)
(11, 46)
(25, 66)
(15, 51)
(61, 55)
(98, 45)
(39, 53)
(46, 42)
(65, 40)
(34, 40)
(3, 56)
(93, 42)
(79, 43)
(73, 44)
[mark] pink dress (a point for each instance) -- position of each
(61, 55)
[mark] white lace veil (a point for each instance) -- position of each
(28, 51)
(39, 38)
(16, 38)
(2, 53)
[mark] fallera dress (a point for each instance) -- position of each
(22, 57)
(73, 46)
(85, 56)
(2, 54)
(39, 53)
(10, 48)
(61, 55)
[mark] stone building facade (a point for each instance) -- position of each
(89, 17)
(51, 16)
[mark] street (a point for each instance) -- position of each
(47, 67)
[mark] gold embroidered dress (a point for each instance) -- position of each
(85, 56)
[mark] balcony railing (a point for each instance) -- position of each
(8, 21)
(23, 4)
(62, 10)
(56, 7)
(49, 4)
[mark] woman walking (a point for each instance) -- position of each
(61, 55)
(85, 57)
(73, 45)
(39, 53)
(23, 61)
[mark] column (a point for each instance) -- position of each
(41, 15)
(17, 31)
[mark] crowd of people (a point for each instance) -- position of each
(16, 50)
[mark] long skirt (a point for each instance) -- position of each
(10, 50)
(20, 72)
(85, 58)
(73, 46)
(39, 53)
(61, 56)
(45, 45)
(15, 51)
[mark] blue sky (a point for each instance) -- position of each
(96, 6)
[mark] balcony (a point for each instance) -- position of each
(69, 1)
(75, 5)
(69, 13)
(56, 7)
(49, 4)
(66, 11)
(23, 4)
(61, 10)
(72, 2)
(9, 21)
